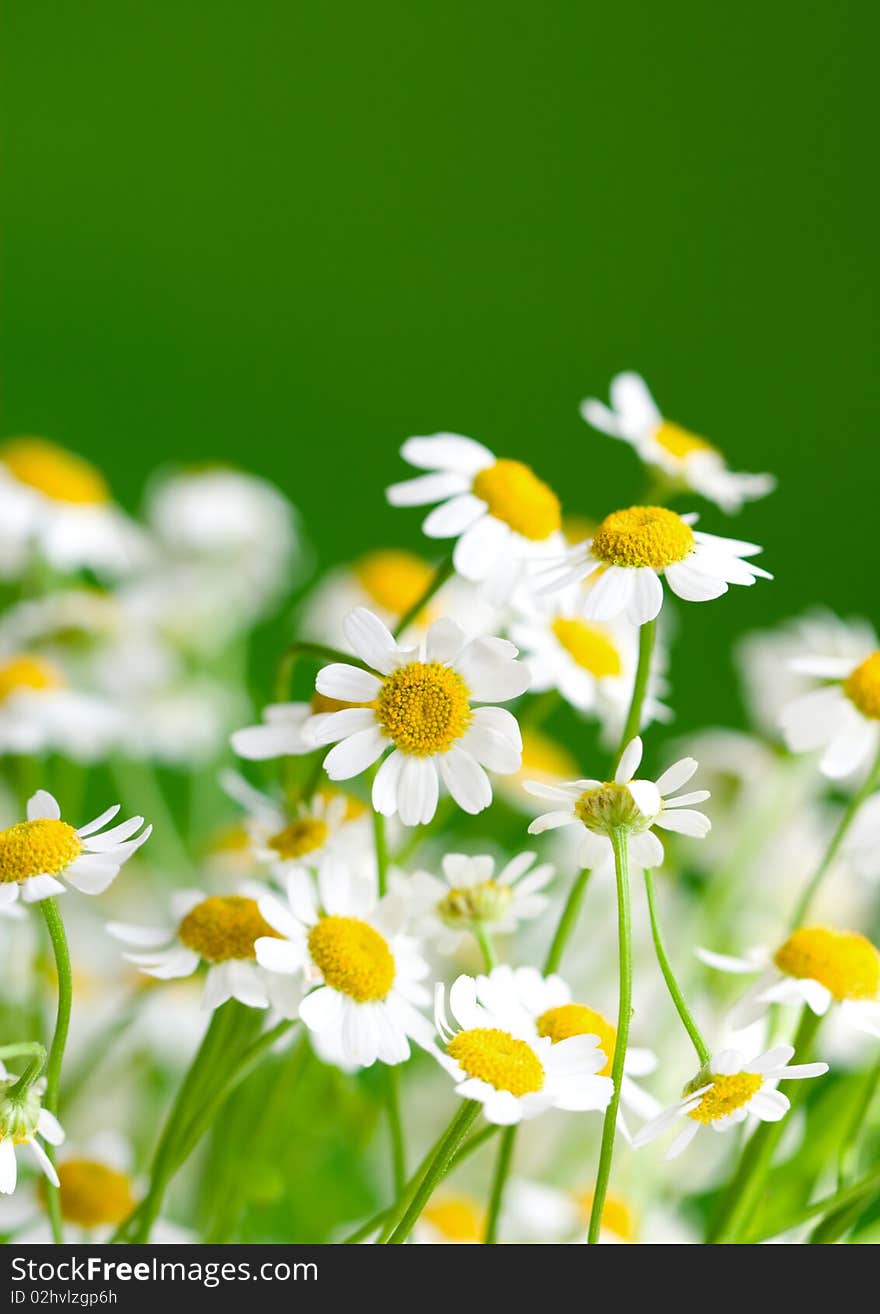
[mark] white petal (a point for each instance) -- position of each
(349, 684)
(8, 1167)
(321, 1010)
(277, 955)
(98, 822)
(417, 791)
(633, 402)
(610, 595)
(466, 780)
(480, 547)
(647, 596)
(629, 761)
(425, 489)
(646, 850)
(693, 585)
(43, 804)
(454, 517)
(447, 451)
(145, 937)
(677, 775)
(370, 639)
(50, 1128)
(685, 821)
(355, 754)
(444, 640)
(44, 1162)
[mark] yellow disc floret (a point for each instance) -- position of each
(352, 957)
(678, 442)
(846, 963)
(36, 848)
(93, 1194)
(56, 473)
(224, 926)
(568, 1020)
(515, 494)
(643, 536)
(590, 646)
(726, 1095)
(423, 707)
(457, 1218)
(305, 835)
(394, 580)
(862, 687)
(499, 1059)
(24, 672)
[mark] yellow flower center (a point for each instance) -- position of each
(589, 645)
(300, 837)
(457, 1218)
(577, 1020)
(862, 687)
(678, 442)
(845, 962)
(499, 1059)
(24, 672)
(54, 472)
(92, 1194)
(726, 1095)
(617, 1217)
(486, 902)
(352, 957)
(34, 848)
(394, 580)
(543, 758)
(423, 707)
(224, 926)
(515, 494)
(643, 536)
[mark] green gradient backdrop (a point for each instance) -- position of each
(290, 234)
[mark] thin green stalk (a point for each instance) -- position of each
(502, 1172)
(809, 893)
(436, 1170)
(647, 634)
(37, 1053)
(743, 1191)
(23, 1049)
(487, 948)
(55, 927)
(439, 578)
(567, 922)
(687, 1018)
(619, 841)
(381, 845)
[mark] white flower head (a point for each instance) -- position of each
(41, 712)
(418, 703)
(366, 974)
(816, 966)
(727, 1092)
(218, 932)
(495, 1056)
(22, 1121)
(634, 805)
(470, 895)
(685, 457)
(501, 514)
(39, 855)
(841, 717)
(279, 734)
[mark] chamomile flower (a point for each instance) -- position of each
(61, 508)
(499, 511)
(634, 550)
(634, 805)
(417, 702)
(816, 966)
(495, 1056)
(470, 896)
(841, 717)
(683, 456)
(40, 855)
(281, 733)
(727, 1092)
(22, 1121)
(218, 931)
(367, 974)
(40, 712)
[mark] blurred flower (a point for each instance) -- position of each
(469, 896)
(37, 854)
(22, 1120)
(420, 704)
(450, 1220)
(633, 550)
(280, 734)
(728, 1091)
(370, 974)
(633, 805)
(501, 514)
(842, 716)
(496, 1057)
(40, 712)
(681, 455)
(534, 1211)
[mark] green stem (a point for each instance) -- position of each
(439, 578)
(742, 1194)
(566, 922)
(55, 927)
(23, 1049)
(839, 1221)
(687, 1018)
(436, 1170)
(619, 841)
(381, 845)
(487, 949)
(647, 634)
(809, 893)
(502, 1172)
(31, 1072)
(828, 1204)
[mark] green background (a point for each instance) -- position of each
(290, 234)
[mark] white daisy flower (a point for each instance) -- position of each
(58, 505)
(368, 974)
(683, 456)
(281, 733)
(632, 551)
(730, 1091)
(469, 896)
(495, 1057)
(841, 717)
(417, 701)
(40, 712)
(816, 966)
(22, 1120)
(499, 512)
(218, 511)
(637, 805)
(218, 931)
(38, 855)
